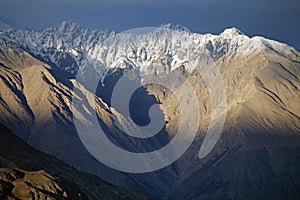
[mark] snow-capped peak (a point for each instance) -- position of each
(67, 24)
(66, 27)
(232, 31)
(174, 27)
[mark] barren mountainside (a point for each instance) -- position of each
(26, 173)
(257, 155)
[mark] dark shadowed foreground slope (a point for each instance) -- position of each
(27, 173)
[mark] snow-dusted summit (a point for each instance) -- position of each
(70, 46)
(175, 27)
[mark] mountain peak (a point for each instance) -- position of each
(67, 25)
(175, 27)
(232, 31)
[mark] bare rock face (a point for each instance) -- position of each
(261, 79)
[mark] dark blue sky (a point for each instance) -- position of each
(275, 19)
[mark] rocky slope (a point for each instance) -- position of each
(27, 173)
(260, 76)
(19, 184)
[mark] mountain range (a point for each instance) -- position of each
(257, 155)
